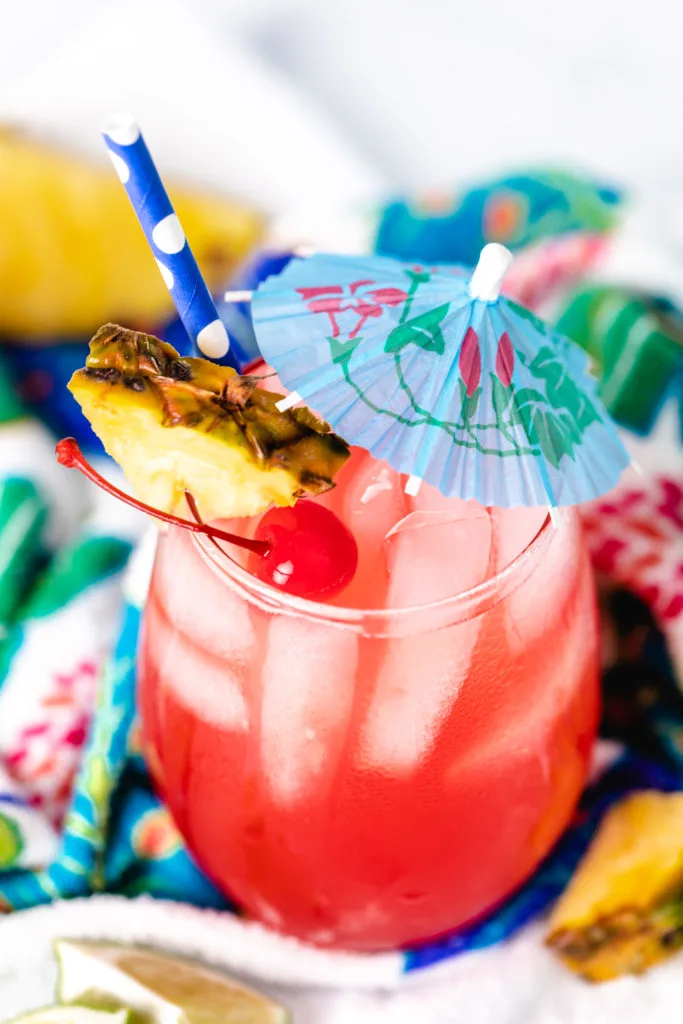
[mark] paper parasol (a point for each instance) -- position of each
(429, 369)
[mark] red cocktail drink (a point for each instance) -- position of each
(379, 769)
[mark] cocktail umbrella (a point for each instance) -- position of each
(429, 369)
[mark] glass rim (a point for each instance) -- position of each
(473, 601)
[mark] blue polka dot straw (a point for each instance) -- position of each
(135, 167)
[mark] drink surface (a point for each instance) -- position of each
(376, 784)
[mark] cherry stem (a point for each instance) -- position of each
(70, 455)
(192, 505)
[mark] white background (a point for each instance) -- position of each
(432, 91)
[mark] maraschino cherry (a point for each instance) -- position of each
(304, 550)
(310, 551)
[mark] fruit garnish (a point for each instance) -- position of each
(175, 425)
(73, 1015)
(311, 552)
(305, 550)
(623, 909)
(158, 988)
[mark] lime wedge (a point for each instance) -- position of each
(157, 988)
(72, 1015)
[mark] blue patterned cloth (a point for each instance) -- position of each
(117, 836)
(517, 210)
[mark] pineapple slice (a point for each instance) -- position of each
(72, 254)
(177, 425)
(623, 909)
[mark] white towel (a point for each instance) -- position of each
(514, 983)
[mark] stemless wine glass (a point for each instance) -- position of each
(368, 779)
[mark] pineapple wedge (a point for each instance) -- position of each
(177, 425)
(623, 909)
(72, 254)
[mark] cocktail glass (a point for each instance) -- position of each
(382, 769)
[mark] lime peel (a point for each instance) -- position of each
(73, 1015)
(158, 988)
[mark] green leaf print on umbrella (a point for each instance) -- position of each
(11, 843)
(561, 390)
(423, 330)
(341, 351)
(469, 402)
(501, 398)
(553, 430)
(539, 325)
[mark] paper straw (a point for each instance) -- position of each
(135, 167)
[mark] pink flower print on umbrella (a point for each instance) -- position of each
(470, 361)
(505, 360)
(361, 297)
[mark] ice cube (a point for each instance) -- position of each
(532, 605)
(437, 554)
(513, 529)
(430, 557)
(556, 695)
(212, 689)
(309, 678)
(373, 502)
(198, 602)
(430, 499)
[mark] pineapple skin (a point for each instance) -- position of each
(177, 425)
(72, 254)
(623, 909)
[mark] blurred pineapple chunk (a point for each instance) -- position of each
(72, 253)
(623, 909)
